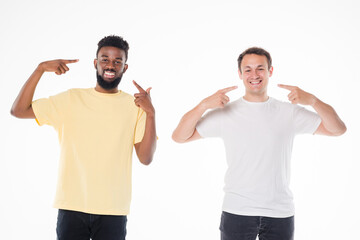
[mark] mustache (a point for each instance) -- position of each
(109, 70)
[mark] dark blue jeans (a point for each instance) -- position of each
(239, 227)
(72, 225)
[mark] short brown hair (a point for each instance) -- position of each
(257, 51)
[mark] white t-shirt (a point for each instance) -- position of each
(258, 139)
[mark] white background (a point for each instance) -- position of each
(185, 50)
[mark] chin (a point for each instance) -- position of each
(108, 84)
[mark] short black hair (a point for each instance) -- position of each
(257, 51)
(114, 41)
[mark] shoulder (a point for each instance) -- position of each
(62, 95)
(73, 93)
(228, 110)
(278, 102)
(78, 90)
(127, 101)
(282, 104)
(289, 108)
(233, 105)
(127, 96)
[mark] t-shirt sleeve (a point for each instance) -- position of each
(210, 124)
(50, 110)
(305, 121)
(140, 126)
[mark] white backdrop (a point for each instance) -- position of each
(185, 50)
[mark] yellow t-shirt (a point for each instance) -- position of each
(96, 132)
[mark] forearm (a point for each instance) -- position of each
(146, 148)
(21, 107)
(187, 124)
(330, 120)
(186, 130)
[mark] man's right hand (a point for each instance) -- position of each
(218, 99)
(21, 107)
(186, 129)
(58, 66)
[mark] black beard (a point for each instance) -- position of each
(107, 85)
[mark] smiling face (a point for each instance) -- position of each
(255, 74)
(110, 65)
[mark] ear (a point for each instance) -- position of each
(240, 75)
(125, 68)
(271, 71)
(95, 63)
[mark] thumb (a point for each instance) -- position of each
(148, 90)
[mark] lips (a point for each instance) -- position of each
(109, 74)
(255, 83)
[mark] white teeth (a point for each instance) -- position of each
(109, 73)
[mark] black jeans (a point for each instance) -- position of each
(239, 227)
(72, 225)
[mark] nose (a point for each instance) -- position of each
(254, 74)
(110, 65)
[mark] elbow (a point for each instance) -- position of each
(12, 112)
(20, 112)
(145, 155)
(15, 112)
(146, 161)
(341, 131)
(176, 138)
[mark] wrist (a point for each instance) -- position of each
(314, 100)
(150, 114)
(202, 106)
(40, 68)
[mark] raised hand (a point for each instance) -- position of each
(58, 66)
(22, 105)
(299, 96)
(218, 99)
(143, 100)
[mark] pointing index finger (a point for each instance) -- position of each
(66, 61)
(228, 89)
(288, 87)
(138, 87)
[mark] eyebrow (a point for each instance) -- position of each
(108, 56)
(261, 65)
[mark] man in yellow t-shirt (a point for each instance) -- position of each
(97, 129)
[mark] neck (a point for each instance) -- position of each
(100, 89)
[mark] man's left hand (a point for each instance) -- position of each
(143, 100)
(299, 96)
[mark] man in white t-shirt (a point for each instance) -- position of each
(258, 133)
